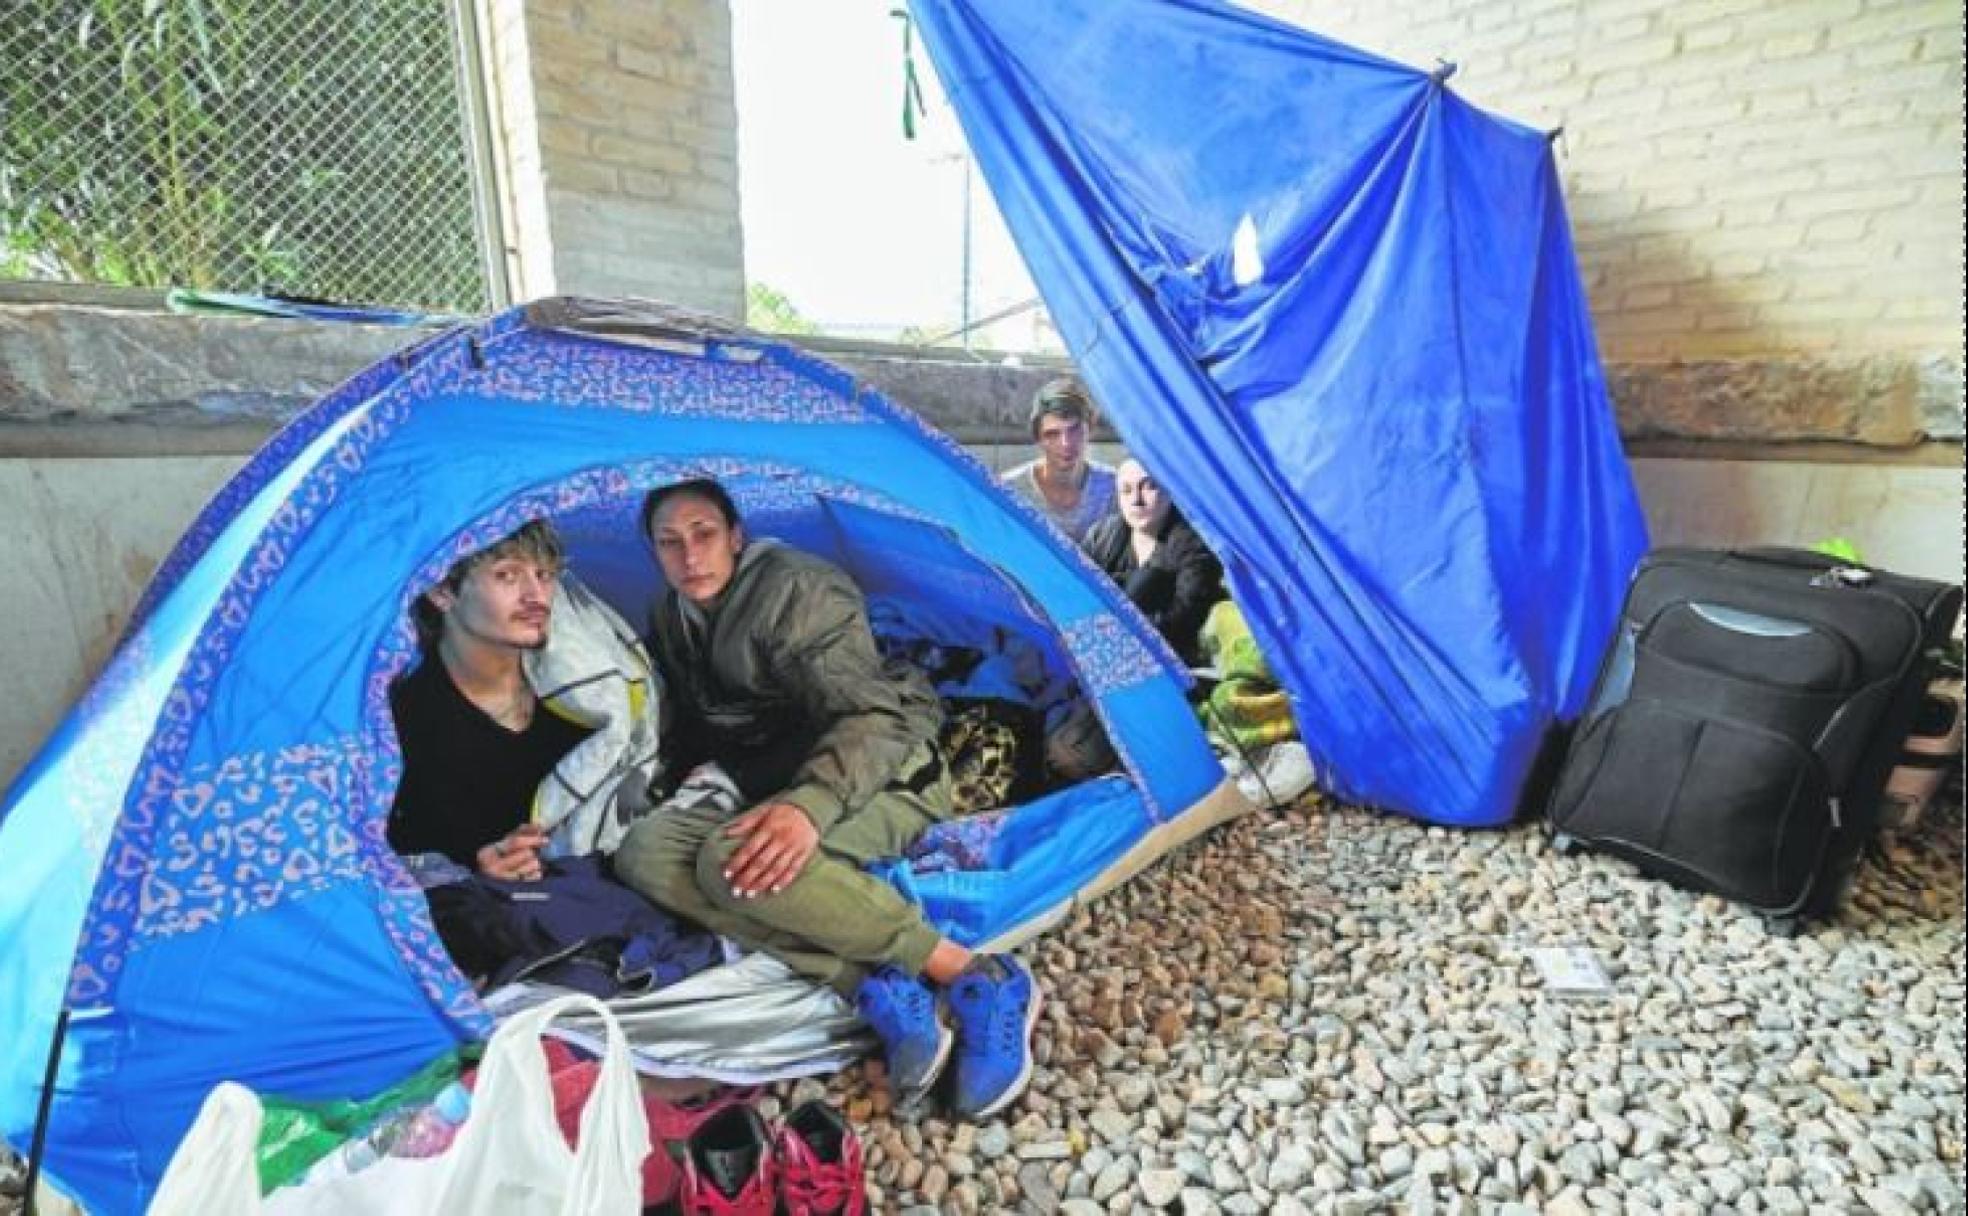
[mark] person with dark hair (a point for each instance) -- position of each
(1074, 491)
(1157, 558)
(771, 672)
(697, 487)
(475, 743)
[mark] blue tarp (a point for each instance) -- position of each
(1335, 309)
(196, 863)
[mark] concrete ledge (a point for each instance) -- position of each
(974, 402)
(97, 380)
(62, 363)
(1889, 401)
(164, 432)
(226, 382)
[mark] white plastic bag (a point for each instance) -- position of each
(509, 1158)
(212, 1173)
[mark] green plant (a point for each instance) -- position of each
(111, 134)
(312, 147)
(767, 309)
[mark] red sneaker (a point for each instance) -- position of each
(820, 1163)
(728, 1167)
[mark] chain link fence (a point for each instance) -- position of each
(314, 148)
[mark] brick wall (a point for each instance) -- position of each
(617, 137)
(1766, 194)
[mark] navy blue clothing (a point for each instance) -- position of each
(576, 926)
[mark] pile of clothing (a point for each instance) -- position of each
(576, 927)
(1013, 729)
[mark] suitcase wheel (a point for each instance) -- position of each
(1785, 926)
(1563, 845)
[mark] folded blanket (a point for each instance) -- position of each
(595, 671)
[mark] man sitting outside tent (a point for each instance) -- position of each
(1074, 491)
(476, 744)
(772, 673)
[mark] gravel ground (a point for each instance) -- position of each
(1325, 1010)
(1330, 1011)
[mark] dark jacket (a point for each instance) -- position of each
(781, 684)
(576, 927)
(1175, 588)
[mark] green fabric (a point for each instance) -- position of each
(833, 922)
(912, 96)
(1840, 548)
(297, 1134)
(221, 303)
(1246, 703)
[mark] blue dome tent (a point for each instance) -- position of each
(197, 866)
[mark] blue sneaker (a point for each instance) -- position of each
(902, 1011)
(996, 1005)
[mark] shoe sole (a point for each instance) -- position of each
(1024, 1077)
(946, 1039)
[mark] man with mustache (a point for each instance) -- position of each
(476, 743)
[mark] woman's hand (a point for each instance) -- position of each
(779, 841)
(515, 857)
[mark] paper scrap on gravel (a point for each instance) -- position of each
(1571, 970)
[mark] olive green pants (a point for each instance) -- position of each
(835, 921)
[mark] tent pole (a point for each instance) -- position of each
(40, 1138)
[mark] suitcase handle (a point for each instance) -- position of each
(1833, 571)
(1779, 555)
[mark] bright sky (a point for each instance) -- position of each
(861, 228)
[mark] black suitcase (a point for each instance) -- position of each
(1746, 719)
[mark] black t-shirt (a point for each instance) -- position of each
(467, 780)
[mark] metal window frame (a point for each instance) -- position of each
(482, 159)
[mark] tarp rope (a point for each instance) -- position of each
(912, 97)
